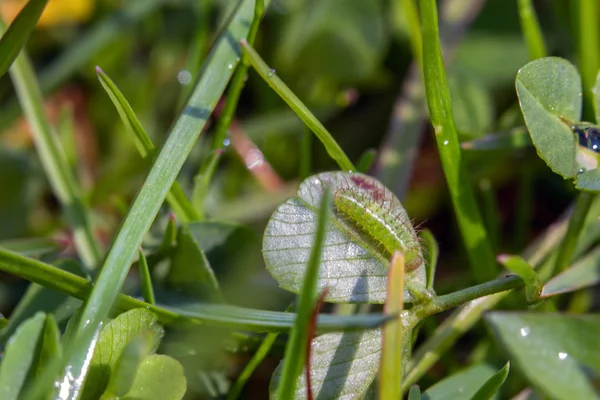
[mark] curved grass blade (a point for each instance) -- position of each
(584, 273)
(196, 313)
(146, 280)
(589, 61)
(491, 386)
(18, 32)
(519, 266)
(295, 350)
(176, 197)
(481, 256)
(531, 30)
(56, 167)
(333, 148)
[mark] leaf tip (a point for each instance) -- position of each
(99, 70)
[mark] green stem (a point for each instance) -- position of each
(61, 178)
(481, 255)
(531, 30)
(567, 249)
(237, 82)
(587, 48)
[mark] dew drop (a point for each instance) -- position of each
(230, 66)
(271, 72)
(226, 142)
(184, 77)
(562, 355)
(524, 331)
(446, 143)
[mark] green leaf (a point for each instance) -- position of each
(490, 388)
(342, 364)
(113, 340)
(145, 279)
(431, 253)
(20, 356)
(531, 30)
(296, 348)
(159, 377)
(596, 93)
(589, 181)
(519, 266)
(51, 348)
(549, 91)
(354, 266)
(32, 247)
(553, 351)
(461, 385)
(190, 269)
(584, 273)
(18, 33)
(124, 372)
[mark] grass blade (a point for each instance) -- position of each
(481, 256)
(18, 32)
(147, 290)
(163, 173)
(56, 167)
(531, 30)
(394, 333)
(491, 386)
(588, 43)
(333, 149)
(176, 197)
(211, 314)
(295, 350)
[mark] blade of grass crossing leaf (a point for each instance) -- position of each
(587, 45)
(295, 349)
(218, 315)
(56, 167)
(531, 30)
(18, 32)
(333, 149)
(176, 197)
(163, 173)
(472, 229)
(491, 386)
(394, 333)
(257, 358)
(237, 82)
(520, 267)
(146, 280)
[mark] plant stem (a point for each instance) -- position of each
(587, 49)
(531, 30)
(237, 82)
(481, 256)
(567, 249)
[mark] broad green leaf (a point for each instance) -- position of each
(113, 340)
(20, 356)
(589, 181)
(461, 385)
(472, 106)
(343, 365)
(190, 270)
(18, 32)
(549, 91)
(124, 372)
(354, 265)
(492, 385)
(298, 342)
(556, 353)
(584, 273)
(159, 377)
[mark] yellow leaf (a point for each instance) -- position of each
(57, 12)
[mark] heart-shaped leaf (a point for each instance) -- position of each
(367, 224)
(113, 340)
(549, 91)
(557, 353)
(342, 365)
